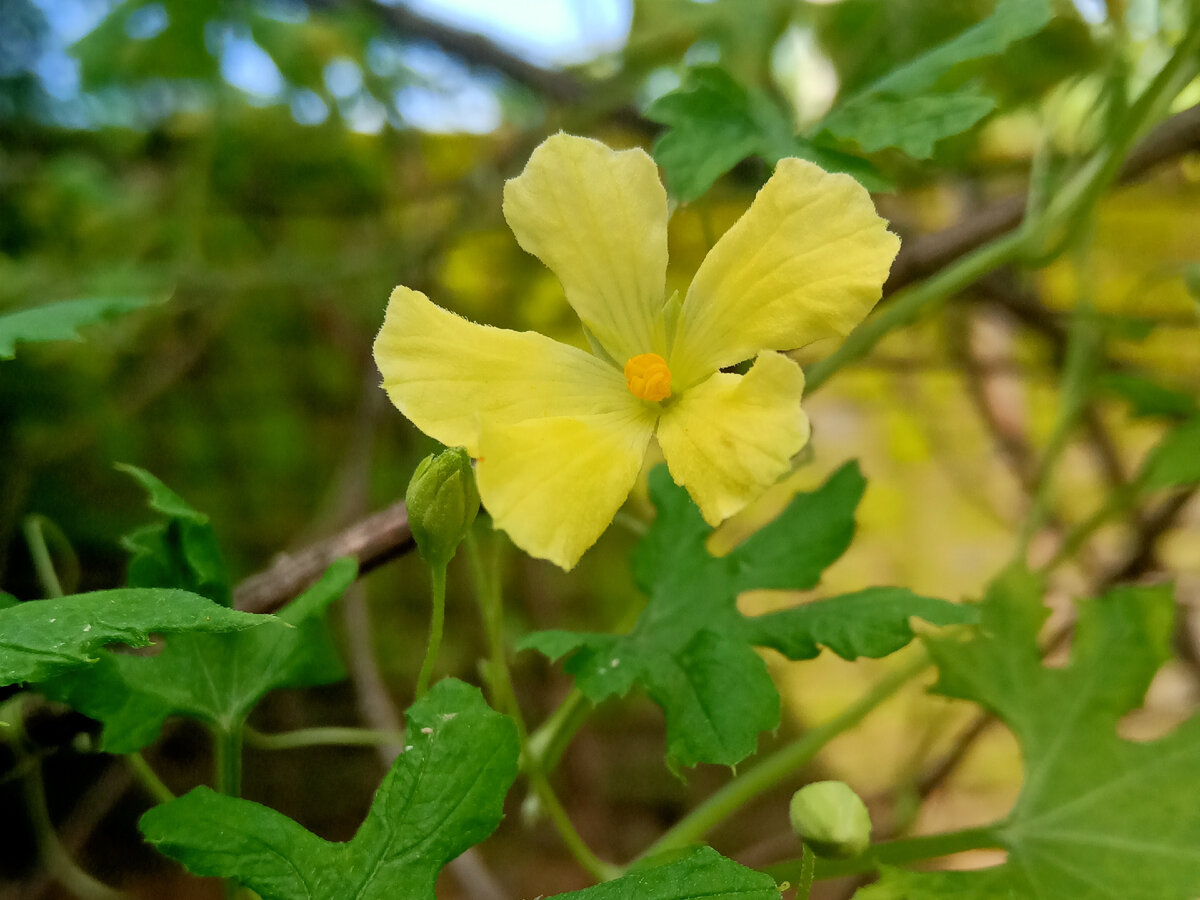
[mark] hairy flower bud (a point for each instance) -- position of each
(442, 503)
(831, 819)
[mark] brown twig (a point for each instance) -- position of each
(372, 541)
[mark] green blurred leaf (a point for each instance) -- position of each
(912, 124)
(60, 321)
(1191, 280)
(180, 552)
(1175, 460)
(1148, 398)
(1098, 817)
(216, 679)
(701, 874)
(693, 650)
(442, 795)
(714, 123)
(903, 110)
(109, 55)
(41, 638)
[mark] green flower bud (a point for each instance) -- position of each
(442, 503)
(831, 819)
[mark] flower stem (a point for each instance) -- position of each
(54, 856)
(804, 889)
(321, 737)
(436, 625)
(894, 853)
(1083, 354)
(228, 774)
(486, 578)
(575, 844)
(781, 764)
(504, 697)
(546, 745)
(43, 563)
(148, 778)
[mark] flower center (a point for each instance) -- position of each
(647, 377)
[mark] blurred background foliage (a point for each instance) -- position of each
(263, 172)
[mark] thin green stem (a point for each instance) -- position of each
(43, 562)
(895, 853)
(804, 889)
(504, 697)
(1118, 502)
(781, 764)
(486, 578)
(228, 775)
(330, 736)
(578, 848)
(546, 746)
(436, 625)
(148, 778)
(1083, 353)
(54, 856)
(227, 763)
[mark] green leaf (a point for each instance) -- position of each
(1175, 460)
(181, 552)
(692, 649)
(903, 109)
(872, 623)
(60, 321)
(911, 124)
(108, 55)
(216, 679)
(444, 794)
(1098, 817)
(701, 874)
(714, 123)
(1148, 398)
(42, 638)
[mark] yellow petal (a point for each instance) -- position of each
(555, 484)
(598, 218)
(729, 438)
(448, 375)
(806, 261)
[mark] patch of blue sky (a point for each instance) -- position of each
(290, 11)
(59, 73)
(546, 32)
(307, 107)
(72, 19)
(147, 22)
(247, 66)
(472, 108)
(1093, 11)
(343, 78)
(364, 114)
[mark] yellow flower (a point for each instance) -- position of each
(560, 434)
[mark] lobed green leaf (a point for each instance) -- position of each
(1175, 460)
(443, 794)
(909, 109)
(1098, 817)
(215, 678)
(713, 123)
(60, 321)
(180, 552)
(40, 639)
(701, 874)
(693, 650)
